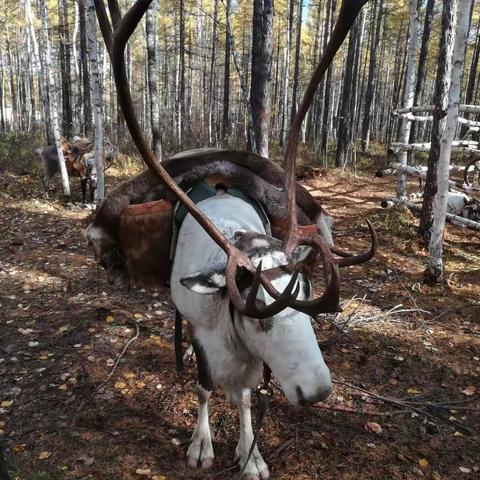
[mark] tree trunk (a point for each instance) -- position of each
(472, 75)
(65, 63)
(442, 86)
(286, 72)
(328, 85)
(298, 44)
(409, 92)
(372, 75)
(87, 102)
(434, 271)
(53, 99)
(345, 112)
(150, 27)
(261, 64)
(226, 79)
(97, 101)
(422, 61)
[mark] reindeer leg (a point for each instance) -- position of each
(83, 185)
(200, 452)
(256, 468)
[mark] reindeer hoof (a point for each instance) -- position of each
(200, 451)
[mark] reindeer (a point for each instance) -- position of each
(79, 160)
(243, 292)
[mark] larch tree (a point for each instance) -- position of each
(261, 66)
(434, 271)
(48, 72)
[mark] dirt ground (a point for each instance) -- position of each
(405, 358)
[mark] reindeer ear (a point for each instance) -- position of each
(205, 283)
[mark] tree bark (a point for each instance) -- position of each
(286, 72)
(97, 101)
(298, 45)
(261, 65)
(422, 61)
(226, 79)
(53, 101)
(442, 86)
(372, 75)
(345, 111)
(434, 271)
(409, 92)
(65, 63)
(150, 28)
(87, 102)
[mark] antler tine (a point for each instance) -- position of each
(348, 13)
(362, 257)
(249, 306)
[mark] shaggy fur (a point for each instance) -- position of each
(256, 176)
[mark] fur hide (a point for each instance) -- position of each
(256, 176)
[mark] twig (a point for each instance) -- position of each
(122, 353)
(339, 408)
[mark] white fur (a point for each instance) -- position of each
(235, 349)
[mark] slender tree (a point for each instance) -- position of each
(442, 87)
(150, 28)
(261, 65)
(409, 91)
(53, 100)
(434, 271)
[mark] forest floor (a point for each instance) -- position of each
(405, 358)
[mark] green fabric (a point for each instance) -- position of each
(203, 190)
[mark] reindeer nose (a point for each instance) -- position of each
(321, 394)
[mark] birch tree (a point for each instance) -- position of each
(53, 98)
(442, 87)
(409, 94)
(97, 99)
(434, 272)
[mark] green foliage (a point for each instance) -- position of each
(399, 221)
(17, 152)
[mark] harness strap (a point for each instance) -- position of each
(178, 341)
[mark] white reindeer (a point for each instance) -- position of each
(232, 348)
(237, 286)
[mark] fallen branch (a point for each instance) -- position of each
(456, 219)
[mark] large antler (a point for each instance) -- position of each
(348, 13)
(116, 40)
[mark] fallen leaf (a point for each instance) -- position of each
(159, 477)
(19, 448)
(465, 469)
(143, 471)
(423, 462)
(44, 455)
(88, 436)
(469, 391)
(63, 387)
(129, 375)
(373, 427)
(110, 319)
(413, 391)
(138, 316)
(140, 385)
(6, 403)
(63, 328)
(120, 385)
